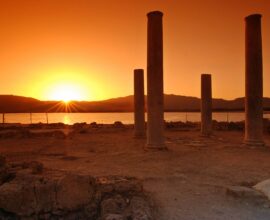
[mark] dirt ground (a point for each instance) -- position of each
(187, 182)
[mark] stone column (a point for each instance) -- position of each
(155, 118)
(139, 120)
(254, 82)
(206, 105)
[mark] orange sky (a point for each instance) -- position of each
(94, 45)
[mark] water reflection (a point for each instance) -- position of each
(66, 119)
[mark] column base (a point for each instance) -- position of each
(257, 143)
(155, 147)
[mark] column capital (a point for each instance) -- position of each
(154, 13)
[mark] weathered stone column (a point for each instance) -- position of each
(139, 119)
(206, 105)
(155, 118)
(254, 82)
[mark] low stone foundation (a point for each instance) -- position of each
(54, 195)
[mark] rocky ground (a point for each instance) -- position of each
(192, 180)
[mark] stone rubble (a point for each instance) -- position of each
(53, 195)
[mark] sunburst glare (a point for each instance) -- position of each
(66, 92)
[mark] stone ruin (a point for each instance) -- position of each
(253, 85)
(28, 191)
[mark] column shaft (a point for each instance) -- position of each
(206, 105)
(139, 119)
(155, 118)
(253, 82)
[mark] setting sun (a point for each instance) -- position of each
(70, 83)
(66, 92)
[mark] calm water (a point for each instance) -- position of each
(106, 118)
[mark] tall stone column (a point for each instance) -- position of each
(254, 82)
(155, 117)
(206, 105)
(139, 119)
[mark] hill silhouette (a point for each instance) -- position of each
(20, 104)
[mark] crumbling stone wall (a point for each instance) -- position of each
(53, 195)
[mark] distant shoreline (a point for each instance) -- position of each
(266, 111)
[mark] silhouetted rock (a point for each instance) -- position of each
(239, 126)
(81, 128)
(36, 126)
(58, 125)
(93, 125)
(118, 124)
(185, 126)
(220, 126)
(79, 125)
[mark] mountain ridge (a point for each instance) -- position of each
(172, 102)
